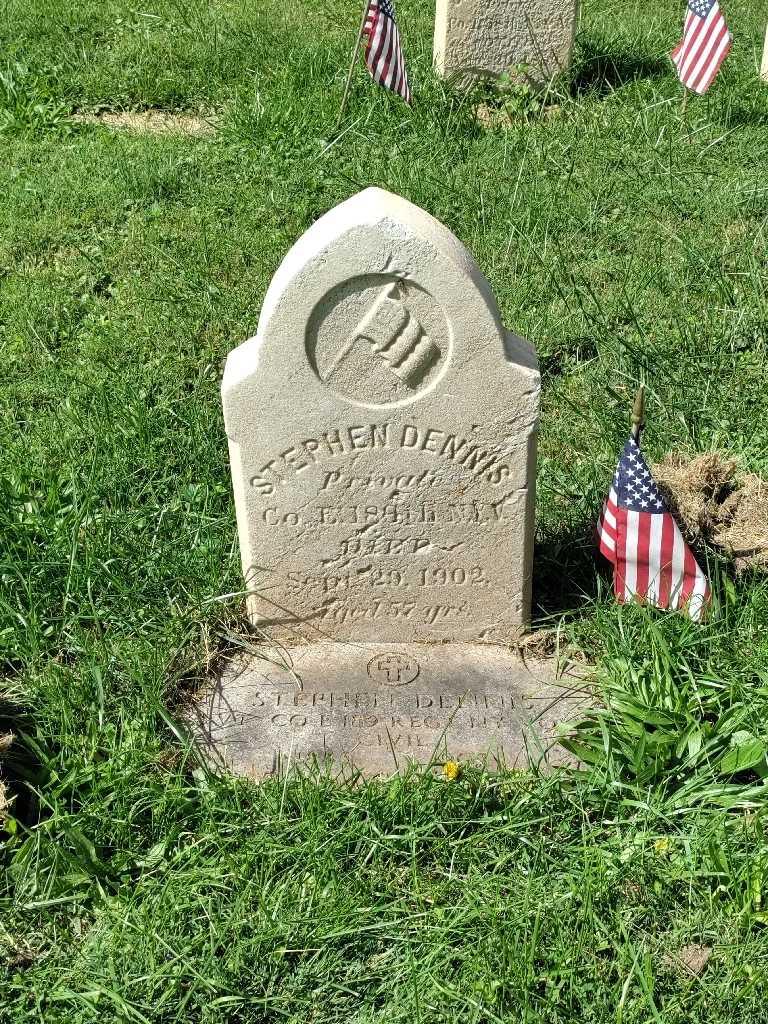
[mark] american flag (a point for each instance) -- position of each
(704, 46)
(637, 533)
(383, 53)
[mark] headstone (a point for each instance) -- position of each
(382, 431)
(474, 38)
(373, 708)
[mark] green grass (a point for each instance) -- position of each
(629, 243)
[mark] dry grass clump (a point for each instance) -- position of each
(690, 960)
(716, 504)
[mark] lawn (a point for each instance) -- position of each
(627, 239)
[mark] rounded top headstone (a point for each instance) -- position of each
(374, 267)
(381, 427)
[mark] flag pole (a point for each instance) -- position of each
(638, 414)
(366, 4)
(684, 115)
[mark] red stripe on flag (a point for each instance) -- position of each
(712, 65)
(606, 533)
(381, 42)
(665, 571)
(643, 554)
(369, 30)
(689, 577)
(386, 71)
(605, 528)
(400, 77)
(375, 40)
(620, 565)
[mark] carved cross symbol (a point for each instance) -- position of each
(393, 669)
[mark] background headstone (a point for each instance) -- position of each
(488, 37)
(382, 429)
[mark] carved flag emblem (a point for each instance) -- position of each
(394, 336)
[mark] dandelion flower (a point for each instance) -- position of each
(451, 770)
(662, 847)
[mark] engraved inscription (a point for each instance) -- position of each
(380, 609)
(414, 553)
(370, 576)
(484, 462)
(400, 714)
(286, 701)
(375, 707)
(473, 513)
(359, 712)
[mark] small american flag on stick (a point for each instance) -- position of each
(383, 52)
(637, 533)
(704, 46)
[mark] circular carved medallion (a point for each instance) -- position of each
(378, 340)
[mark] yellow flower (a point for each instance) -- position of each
(452, 770)
(662, 847)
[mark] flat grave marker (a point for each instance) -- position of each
(374, 707)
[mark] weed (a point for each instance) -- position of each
(26, 105)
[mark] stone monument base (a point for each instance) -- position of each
(372, 708)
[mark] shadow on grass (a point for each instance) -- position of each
(565, 572)
(601, 66)
(742, 116)
(567, 357)
(20, 767)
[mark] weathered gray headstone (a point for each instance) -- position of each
(474, 38)
(375, 707)
(382, 431)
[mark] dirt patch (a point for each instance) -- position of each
(151, 122)
(717, 504)
(690, 960)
